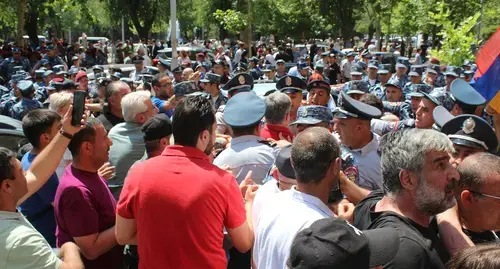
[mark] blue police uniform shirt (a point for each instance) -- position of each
(37, 208)
(56, 60)
(20, 109)
(377, 90)
(159, 104)
(6, 105)
(9, 64)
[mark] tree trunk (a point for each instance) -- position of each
(378, 34)
(32, 26)
(20, 23)
(371, 30)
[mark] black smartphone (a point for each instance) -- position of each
(335, 195)
(78, 107)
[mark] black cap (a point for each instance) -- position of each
(283, 162)
(157, 127)
(321, 84)
(137, 59)
(471, 131)
(355, 109)
(241, 83)
(334, 243)
(464, 93)
(178, 70)
(289, 84)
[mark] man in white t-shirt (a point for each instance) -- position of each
(282, 178)
(316, 161)
(237, 55)
(22, 246)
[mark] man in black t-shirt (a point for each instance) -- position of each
(112, 114)
(418, 182)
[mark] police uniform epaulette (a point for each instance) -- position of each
(269, 143)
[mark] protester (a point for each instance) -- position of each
(152, 187)
(84, 206)
(127, 138)
(164, 91)
(418, 183)
(315, 159)
(113, 115)
(277, 117)
(479, 257)
(21, 240)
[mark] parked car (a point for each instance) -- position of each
(11, 134)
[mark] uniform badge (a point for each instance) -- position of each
(469, 125)
(288, 81)
(241, 79)
(315, 84)
(354, 87)
(303, 113)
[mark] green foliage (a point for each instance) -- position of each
(232, 20)
(456, 41)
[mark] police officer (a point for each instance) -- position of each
(177, 72)
(443, 93)
(356, 89)
(164, 67)
(384, 74)
(184, 88)
(465, 99)
(372, 77)
(211, 86)
(7, 66)
(11, 98)
(280, 69)
(304, 71)
(218, 68)
(470, 134)
(255, 70)
(98, 71)
(319, 94)
(51, 58)
(416, 72)
(310, 116)
(248, 151)
(242, 82)
(27, 103)
(293, 87)
(139, 68)
(359, 145)
(401, 78)
(468, 76)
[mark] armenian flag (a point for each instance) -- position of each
(487, 76)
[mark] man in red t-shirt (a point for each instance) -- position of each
(277, 117)
(175, 206)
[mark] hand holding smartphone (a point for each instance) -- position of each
(78, 107)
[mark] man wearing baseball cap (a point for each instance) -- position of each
(334, 243)
(401, 78)
(7, 66)
(310, 116)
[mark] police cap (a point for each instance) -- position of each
(164, 62)
(25, 86)
(373, 64)
(240, 82)
(358, 87)
(471, 131)
(244, 109)
(464, 93)
(402, 62)
(184, 88)
(321, 84)
(453, 71)
(416, 70)
(211, 78)
(311, 115)
(417, 89)
(384, 69)
(137, 59)
(441, 116)
(355, 109)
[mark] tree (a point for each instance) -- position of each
(457, 41)
(344, 13)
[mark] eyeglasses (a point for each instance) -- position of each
(485, 195)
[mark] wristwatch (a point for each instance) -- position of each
(67, 135)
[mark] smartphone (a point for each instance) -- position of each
(78, 107)
(335, 195)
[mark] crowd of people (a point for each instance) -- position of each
(361, 159)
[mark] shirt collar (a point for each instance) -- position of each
(184, 151)
(244, 138)
(373, 145)
(310, 200)
(277, 128)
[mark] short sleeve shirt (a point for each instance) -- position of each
(246, 154)
(286, 214)
(159, 104)
(84, 206)
(37, 208)
(181, 209)
(20, 241)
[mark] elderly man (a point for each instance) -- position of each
(127, 137)
(418, 184)
(112, 114)
(315, 158)
(277, 117)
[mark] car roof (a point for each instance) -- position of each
(10, 123)
(186, 48)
